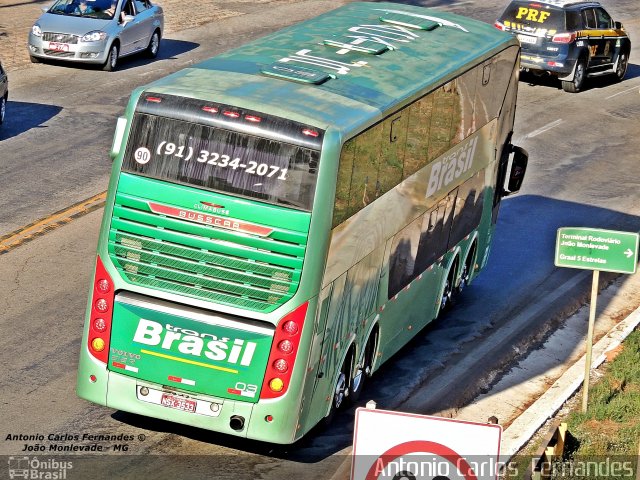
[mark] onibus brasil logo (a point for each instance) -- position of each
(26, 467)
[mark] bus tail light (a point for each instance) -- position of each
(286, 341)
(281, 365)
(101, 313)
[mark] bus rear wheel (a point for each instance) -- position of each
(446, 299)
(467, 268)
(363, 371)
(340, 391)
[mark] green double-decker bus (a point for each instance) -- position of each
(282, 218)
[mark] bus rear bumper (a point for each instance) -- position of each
(265, 421)
(123, 394)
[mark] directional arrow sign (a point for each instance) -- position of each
(596, 249)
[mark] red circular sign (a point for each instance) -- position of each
(421, 446)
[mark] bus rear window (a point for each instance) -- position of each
(222, 160)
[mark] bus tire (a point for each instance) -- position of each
(467, 270)
(340, 391)
(362, 372)
(448, 291)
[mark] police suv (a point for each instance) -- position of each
(569, 39)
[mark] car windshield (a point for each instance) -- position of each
(533, 15)
(101, 9)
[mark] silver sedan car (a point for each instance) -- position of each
(96, 31)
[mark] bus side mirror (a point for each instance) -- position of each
(618, 25)
(118, 137)
(518, 168)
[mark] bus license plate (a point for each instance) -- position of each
(178, 403)
(58, 47)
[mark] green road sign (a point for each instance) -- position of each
(596, 249)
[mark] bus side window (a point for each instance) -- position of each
(483, 100)
(402, 262)
(418, 131)
(503, 66)
(465, 91)
(365, 169)
(426, 253)
(394, 138)
(468, 208)
(444, 101)
(343, 183)
(363, 280)
(434, 236)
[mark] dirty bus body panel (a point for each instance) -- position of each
(284, 217)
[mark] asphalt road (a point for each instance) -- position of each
(582, 172)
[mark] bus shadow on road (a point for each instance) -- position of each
(24, 116)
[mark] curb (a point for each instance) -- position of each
(527, 424)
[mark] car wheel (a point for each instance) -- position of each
(621, 65)
(112, 59)
(34, 59)
(3, 109)
(579, 77)
(154, 45)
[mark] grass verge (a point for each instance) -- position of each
(604, 442)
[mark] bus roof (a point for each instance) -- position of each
(344, 68)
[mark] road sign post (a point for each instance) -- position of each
(598, 250)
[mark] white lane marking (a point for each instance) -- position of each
(548, 126)
(622, 92)
(457, 4)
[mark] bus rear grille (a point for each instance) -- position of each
(180, 257)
